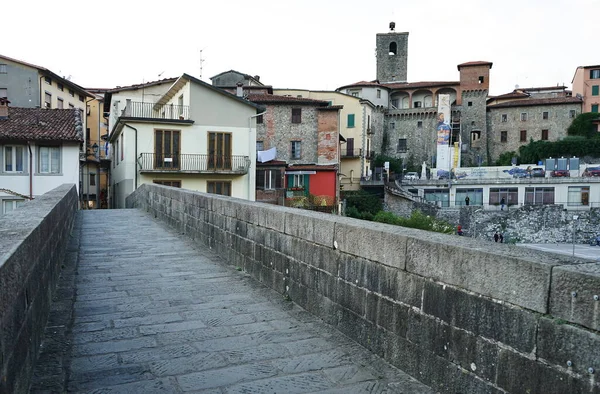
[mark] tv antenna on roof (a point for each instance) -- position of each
(201, 61)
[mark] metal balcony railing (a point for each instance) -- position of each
(194, 163)
(350, 153)
(135, 109)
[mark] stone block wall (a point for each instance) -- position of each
(33, 242)
(448, 310)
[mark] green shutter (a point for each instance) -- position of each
(350, 120)
(595, 108)
(306, 184)
(595, 90)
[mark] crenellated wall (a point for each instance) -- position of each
(450, 311)
(33, 243)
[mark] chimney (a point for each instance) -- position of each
(240, 90)
(4, 108)
(257, 77)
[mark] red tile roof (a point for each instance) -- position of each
(540, 101)
(143, 85)
(316, 167)
(475, 63)
(510, 95)
(35, 124)
(276, 99)
(416, 85)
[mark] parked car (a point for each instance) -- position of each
(591, 171)
(411, 176)
(538, 172)
(561, 173)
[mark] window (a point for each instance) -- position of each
(168, 183)
(594, 74)
(419, 124)
(544, 135)
(121, 145)
(595, 90)
(439, 197)
(3, 69)
(219, 151)
(594, 108)
(475, 196)
(60, 86)
(504, 118)
(481, 79)
(259, 119)
(47, 100)
(418, 104)
(48, 80)
(3, 92)
(470, 104)
(60, 104)
(268, 179)
(401, 145)
(572, 113)
(394, 103)
(350, 120)
(166, 149)
(393, 126)
(9, 205)
(299, 96)
(219, 187)
(72, 92)
(81, 97)
(503, 136)
(296, 180)
(523, 136)
(578, 195)
(523, 116)
(296, 149)
(92, 179)
(71, 106)
(180, 104)
(354, 93)
(378, 93)
(49, 159)
(539, 195)
(296, 115)
(260, 145)
(87, 134)
(545, 115)
(510, 195)
(13, 158)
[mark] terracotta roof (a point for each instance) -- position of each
(297, 167)
(540, 101)
(142, 85)
(510, 95)
(415, 85)
(598, 66)
(331, 108)
(542, 88)
(475, 63)
(276, 99)
(36, 124)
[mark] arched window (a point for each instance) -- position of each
(393, 49)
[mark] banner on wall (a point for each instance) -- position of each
(443, 130)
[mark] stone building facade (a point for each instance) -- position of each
(392, 56)
(515, 123)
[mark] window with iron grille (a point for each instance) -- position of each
(401, 145)
(296, 149)
(219, 187)
(296, 115)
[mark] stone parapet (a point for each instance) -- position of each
(448, 310)
(33, 242)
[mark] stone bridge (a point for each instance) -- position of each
(203, 293)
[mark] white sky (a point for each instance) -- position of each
(307, 44)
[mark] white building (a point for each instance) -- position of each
(39, 150)
(185, 134)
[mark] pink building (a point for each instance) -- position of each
(586, 83)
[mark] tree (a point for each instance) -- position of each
(583, 125)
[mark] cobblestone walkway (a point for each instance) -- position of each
(140, 309)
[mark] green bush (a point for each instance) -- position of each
(417, 220)
(362, 201)
(583, 125)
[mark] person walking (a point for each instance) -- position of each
(496, 236)
(467, 201)
(501, 236)
(502, 203)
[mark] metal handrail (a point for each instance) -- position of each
(194, 162)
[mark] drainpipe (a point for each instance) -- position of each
(135, 184)
(30, 171)
(250, 142)
(41, 92)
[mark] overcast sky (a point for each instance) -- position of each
(308, 44)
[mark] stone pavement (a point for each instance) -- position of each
(142, 309)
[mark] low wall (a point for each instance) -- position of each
(450, 311)
(33, 242)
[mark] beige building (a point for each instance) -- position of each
(356, 128)
(586, 85)
(185, 134)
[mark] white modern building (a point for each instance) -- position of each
(39, 151)
(185, 134)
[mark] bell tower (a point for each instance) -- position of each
(392, 54)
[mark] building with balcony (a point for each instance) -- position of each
(39, 151)
(586, 85)
(185, 133)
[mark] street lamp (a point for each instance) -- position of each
(575, 217)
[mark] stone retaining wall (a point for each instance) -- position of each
(33, 241)
(448, 310)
